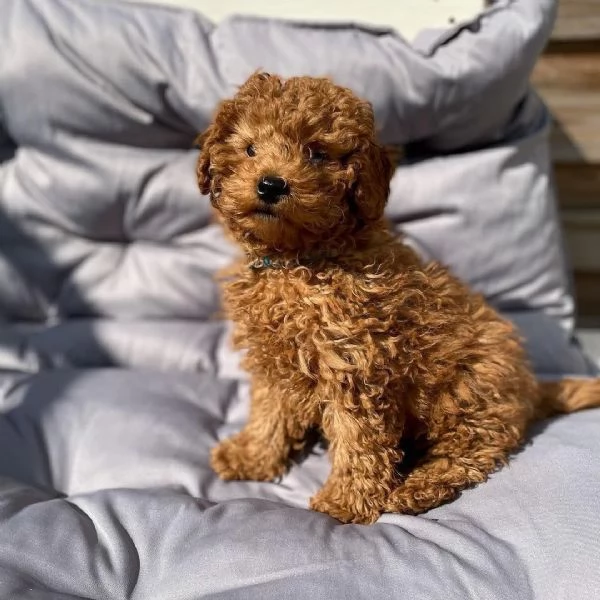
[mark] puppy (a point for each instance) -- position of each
(345, 329)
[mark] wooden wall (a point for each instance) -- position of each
(568, 78)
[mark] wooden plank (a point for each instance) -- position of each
(577, 20)
(568, 78)
(587, 293)
(578, 185)
(570, 86)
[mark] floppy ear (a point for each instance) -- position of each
(216, 133)
(372, 167)
(203, 163)
(257, 85)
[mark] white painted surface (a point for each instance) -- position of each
(408, 17)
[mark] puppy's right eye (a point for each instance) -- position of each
(315, 154)
(251, 150)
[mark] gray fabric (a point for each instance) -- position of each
(115, 373)
(590, 340)
(103, 183)
(144, 515)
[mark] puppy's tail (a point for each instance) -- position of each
(566, 396)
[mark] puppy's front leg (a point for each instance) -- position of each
(364, 450)
(261, 450)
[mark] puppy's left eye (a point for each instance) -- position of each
(251, 150)
(315, 154)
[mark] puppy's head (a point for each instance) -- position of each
(294, 165)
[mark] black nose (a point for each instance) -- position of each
(270, 189)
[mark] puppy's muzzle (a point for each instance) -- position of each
(271, 189)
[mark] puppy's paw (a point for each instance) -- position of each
(409, 500)
(237, 458)
(402, 501)
(344, 509)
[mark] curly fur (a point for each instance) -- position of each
(350, 332)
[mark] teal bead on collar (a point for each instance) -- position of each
(266, 262)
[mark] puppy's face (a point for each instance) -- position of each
(293, 166)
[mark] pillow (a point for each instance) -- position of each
(100, 211)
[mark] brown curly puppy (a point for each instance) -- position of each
(345, 328)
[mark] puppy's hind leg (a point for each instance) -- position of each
(460, 458)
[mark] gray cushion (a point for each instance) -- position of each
(116, 376)
(144, 512)
(102, 186)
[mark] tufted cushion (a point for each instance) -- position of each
(100, 213)
(115, 373)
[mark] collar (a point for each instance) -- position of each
(267, 262)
